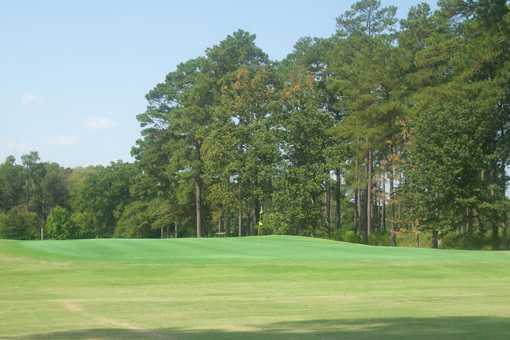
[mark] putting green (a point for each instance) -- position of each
(255, 288)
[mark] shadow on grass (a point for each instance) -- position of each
(461, 328)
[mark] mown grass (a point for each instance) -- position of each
(255, 288)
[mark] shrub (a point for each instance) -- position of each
(135, 221)
(408, 238)
(381, 238)
(274, 223)
(59, 225)
(347, 235)
(19, 224)
(85, 224)
(465, 241)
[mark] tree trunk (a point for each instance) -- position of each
(505, 238)
(392, 197)
(369, 193)
(253, 223)
(226, 223)
(393, 237)
(357, 199)
(198, 190)
(435, 239)
(219, 221)
(392, 189)
(363, 214)
(400, 180)
(257, 213)
(198, 202)
(338, 200)
(240, 221)
(383, 201)
(240, 212)
(495, 237)
(327, 203)
(357, 223)
(175, 230)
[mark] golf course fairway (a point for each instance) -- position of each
(274, 287)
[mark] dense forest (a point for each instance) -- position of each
(387, 130)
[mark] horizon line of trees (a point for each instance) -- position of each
(386, 127)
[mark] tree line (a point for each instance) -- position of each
(385, 129)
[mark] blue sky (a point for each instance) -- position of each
(74, 74)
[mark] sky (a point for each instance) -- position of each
(74, 74)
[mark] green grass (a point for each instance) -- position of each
(251, 288)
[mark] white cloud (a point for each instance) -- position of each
(99, 123)
(64, 140)
(30, 100)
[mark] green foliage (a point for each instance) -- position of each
(103, 192)
(59, 225)
(19, 224)
(85, 224)
(380, 239)
(347, 235)
(366, 17)
(465, 241)
(12, 182)
(146, 219)
(276, 223)
(135, 221)
(370, 131)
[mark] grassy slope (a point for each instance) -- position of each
(257, 288)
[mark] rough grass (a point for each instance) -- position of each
(254, 288)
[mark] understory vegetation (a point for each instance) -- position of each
(389, 132)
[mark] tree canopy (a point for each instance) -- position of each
(389, 128)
